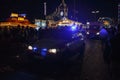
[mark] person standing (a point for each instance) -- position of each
(115, 56)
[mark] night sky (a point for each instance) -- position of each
(34, 8)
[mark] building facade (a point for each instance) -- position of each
(17, 20)
(119, 13)
(60, 12)
(58, 18)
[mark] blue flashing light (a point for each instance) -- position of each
(44, 49)
(34, 48)
(44, 52)
(73, 28)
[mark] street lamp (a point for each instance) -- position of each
(95, 12)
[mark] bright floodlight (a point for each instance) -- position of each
(73, 28)
(30, 47)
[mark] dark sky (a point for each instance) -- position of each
(34, 8)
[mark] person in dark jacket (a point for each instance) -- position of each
(115, 56)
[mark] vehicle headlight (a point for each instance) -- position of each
(53, 51)
(97, 33)
(30, 47)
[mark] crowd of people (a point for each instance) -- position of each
(18, 34)
(29, 34)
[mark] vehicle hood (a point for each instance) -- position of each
(50, 43)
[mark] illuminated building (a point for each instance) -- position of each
(53, 24)
(67, 22)
(17, 20)
(40, 23)
(58, 18)
(61, 11)
(119, 13)
(45, 23)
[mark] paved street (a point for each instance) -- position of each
(93, 67)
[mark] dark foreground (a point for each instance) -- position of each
(91, 66)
